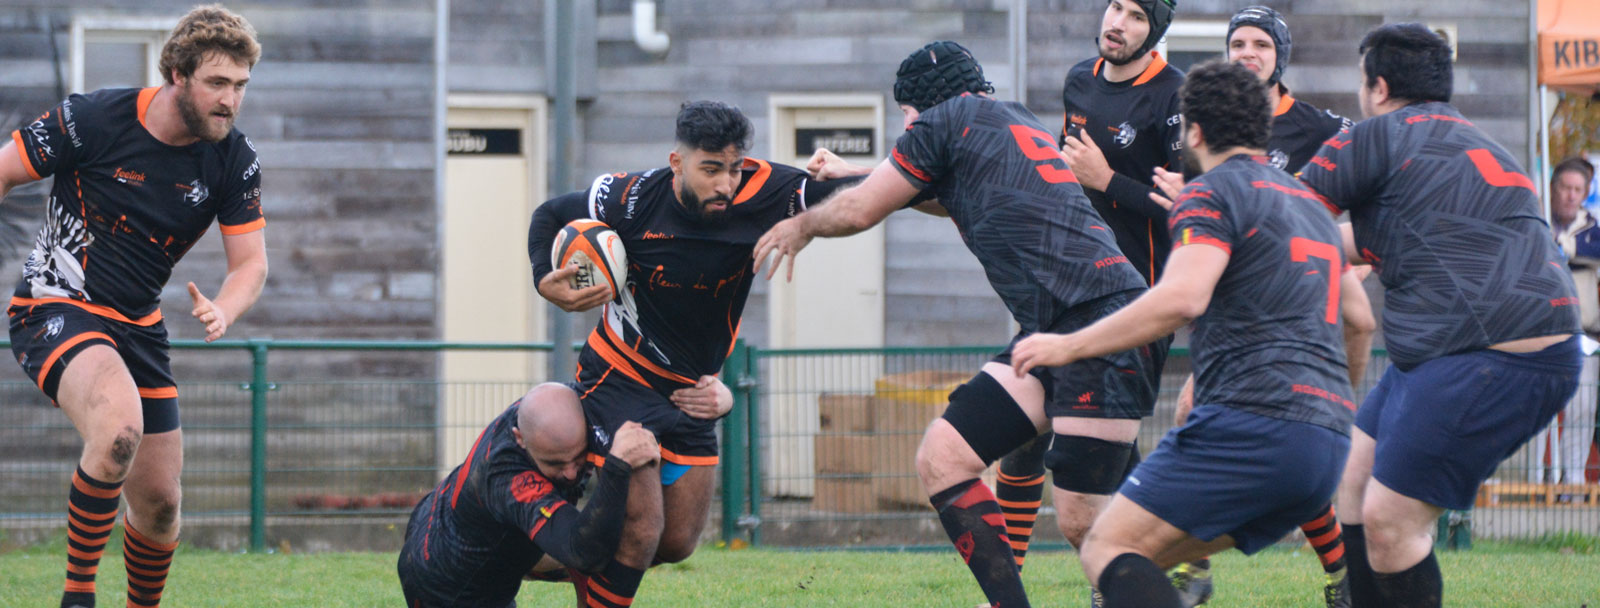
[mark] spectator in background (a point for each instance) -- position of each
(1565, 444)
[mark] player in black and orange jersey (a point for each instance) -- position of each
(140, 176)
(1256, 267)
(688, 230)
(1476, 289)
(471, 540)
(994, 168)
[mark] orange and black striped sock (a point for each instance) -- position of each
(614, 587)
(91, 513)
(1020, 491)
(147, 562)
(1326, 537)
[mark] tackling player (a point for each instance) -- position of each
(471, 539)
(1256, 267)
(995, 169)
(1476, 290)
(688, 230)
(141, 174)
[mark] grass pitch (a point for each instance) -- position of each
(1558, 573)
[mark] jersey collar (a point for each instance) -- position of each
(1150, 71)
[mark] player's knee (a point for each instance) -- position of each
(118, 452)
(1074, 530)
(675, 551)
(164, 509)
(987, 419)
(1088, 465)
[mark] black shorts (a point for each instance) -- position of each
(611, 398)
(1121, 385)
(46, 336)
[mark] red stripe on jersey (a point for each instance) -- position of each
(1495, 174)
(466, 468)
(915, 172)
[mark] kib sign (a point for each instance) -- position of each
(1569, 45)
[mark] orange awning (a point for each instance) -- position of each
(1569, 45)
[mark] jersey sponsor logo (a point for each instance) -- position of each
(1278, 159)
(128, 176)
(1189, 212)
(600, 435)
(1300, 192)
(1125, 135)
(1174, 120)
(1317, 392)
(255, 166)
(597, 195)
(1089, 396)
(529, 486)
(633, 193)
(1567, 301)
(651, 235)
(195, 193)
(1421, 118)
(1116, 259)
(41, 137)
(72, 125)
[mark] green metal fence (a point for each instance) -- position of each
(327, 444)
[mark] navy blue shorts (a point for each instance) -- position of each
(1444, 426)
(1248, 476)
(46, 336)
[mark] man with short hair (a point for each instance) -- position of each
(1256, 268)
(993, 167)
(1564, 444)
(512, 501)
(1476, 289)
(688, 230)
(140, 176)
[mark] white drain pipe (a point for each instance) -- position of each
(645, 34)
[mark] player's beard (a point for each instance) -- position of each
(198, 124)
(1191, 165)
(1123, 56)
(697, 207)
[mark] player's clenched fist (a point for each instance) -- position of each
(635, 445)
(557, 288)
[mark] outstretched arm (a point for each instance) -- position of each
(12, 172)
(848, 212)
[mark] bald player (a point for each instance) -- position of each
(472, 538)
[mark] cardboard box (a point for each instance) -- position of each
(845, 494)
(925, 386)
(906, 416)
(863, 454)
(842, 413)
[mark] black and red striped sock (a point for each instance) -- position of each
(1020, 491)
(1327, 538)
(91, 513)
(147, 562)
(614, 587)
(972, 518)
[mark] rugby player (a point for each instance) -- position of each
(471, 540)
(141, 174)
(1477, 290)
(1256, 267)
(688, 230)
(994, 168)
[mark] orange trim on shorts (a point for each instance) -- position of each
(95, 309)
(127, 528)
(50, 361)
(165, 392)
(146, 95)
(244, 228)
(617, 361)
(693, 461)
(599, 382)
(16, 136)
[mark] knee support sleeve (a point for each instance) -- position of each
(1087, 465)
(988, 418)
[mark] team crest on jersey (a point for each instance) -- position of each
(1125, 135)
(1279, 159)
(53, 325)
(197, 193)
(528, 486)
(600, 435)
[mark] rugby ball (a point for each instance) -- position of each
(596, 250)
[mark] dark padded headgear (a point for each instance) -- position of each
(937, 72)
(1159, 14)
(1272, 23)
